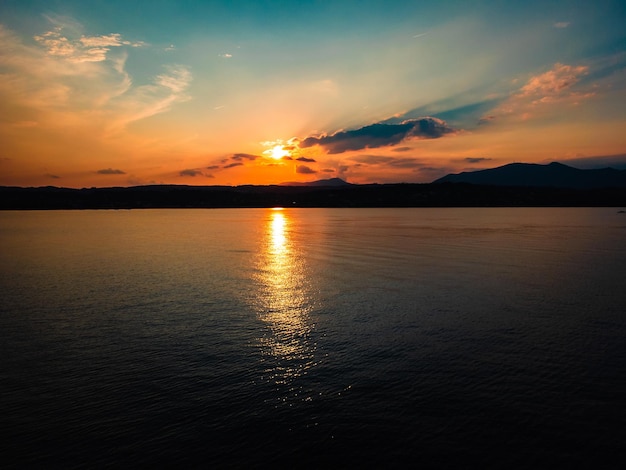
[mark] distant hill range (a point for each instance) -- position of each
(554, 175)
(508, 186)
(331, 182)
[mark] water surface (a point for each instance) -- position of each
(313, 337)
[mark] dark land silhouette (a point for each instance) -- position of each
(371, 195)
(514, 185)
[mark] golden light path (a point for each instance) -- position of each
(284, 303)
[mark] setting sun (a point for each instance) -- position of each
(277, 152)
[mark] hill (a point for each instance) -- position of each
(555, 175)
(334, 182)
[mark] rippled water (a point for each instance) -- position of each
(313, 337)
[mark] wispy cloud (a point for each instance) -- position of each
(111, 40)
(476, 159)
(561, 24)
(148, 100)
(193, 172)
(110, 171)
(553, 82)
(557, 85)
(244, 156)
(177, 79)
(82, 49)
(232, 165)
(70, 78)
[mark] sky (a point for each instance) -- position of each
(117, 93)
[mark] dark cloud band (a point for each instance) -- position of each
(110, 171)
(380, 135)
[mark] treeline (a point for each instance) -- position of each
(374, 195)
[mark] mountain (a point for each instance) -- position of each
(554, 175)
(320, 183)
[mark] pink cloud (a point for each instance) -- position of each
(554, 81)
(557, 85)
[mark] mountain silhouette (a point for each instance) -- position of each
(344, 195)
(320, 183)
(555, 175)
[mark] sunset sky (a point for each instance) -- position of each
(121, 93)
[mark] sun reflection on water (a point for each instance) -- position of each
(284, 303)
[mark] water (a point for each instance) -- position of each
(307, 338)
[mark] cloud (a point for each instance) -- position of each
(557, 85)
(554, 81)
(234, 160)
(402, 149)
(486, 119)
(84, 49)
(76, 83)
(380, 135)
(476, 159)
(244, 156)
(48, 175)
(226, 56)
(148, 100)
(176, 79)
(327, 170)
(561, 24)
(305, 170)
(304, 159)
(191, 172)
(110, 171)
(111, 40)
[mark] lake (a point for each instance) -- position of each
(308, 338)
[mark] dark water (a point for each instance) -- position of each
(464, 338)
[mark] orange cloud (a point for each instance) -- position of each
(556, 85)
(553, 82)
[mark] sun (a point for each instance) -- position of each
(277, 152)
